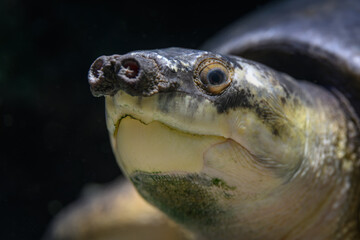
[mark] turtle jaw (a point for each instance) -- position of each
(147, 137)
(168, 168)
(156, 147)
(200, 181)
(179, 139)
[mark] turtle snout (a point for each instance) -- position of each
(130, 68)
(135, 75)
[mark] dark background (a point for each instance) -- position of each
(53, 138)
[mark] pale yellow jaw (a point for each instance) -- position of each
(155, 147)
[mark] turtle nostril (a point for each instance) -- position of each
(131, 68)
(97, 66)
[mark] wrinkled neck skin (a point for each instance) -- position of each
(316, 197)
(269, 158)
(329, 173)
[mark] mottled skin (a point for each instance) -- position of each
(285, 149)
(261, 155)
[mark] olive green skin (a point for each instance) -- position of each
(313, 40)
(322, 189)
(280, 146)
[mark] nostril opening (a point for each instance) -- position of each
(131, 68)
(97, 66)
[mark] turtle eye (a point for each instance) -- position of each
(213, 76)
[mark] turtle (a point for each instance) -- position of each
(255, 136)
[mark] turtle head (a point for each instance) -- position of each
(205, 94)
(208, 139)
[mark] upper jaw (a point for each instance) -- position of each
(201, 121)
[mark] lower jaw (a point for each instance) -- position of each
(193, 200)
(167, 168)
(155, 147)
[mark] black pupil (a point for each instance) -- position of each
(216, 77)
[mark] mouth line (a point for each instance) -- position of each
(134, 116)
(118, 122)
(156, 146)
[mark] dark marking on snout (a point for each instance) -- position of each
(167, 101)
(140, 73)
(172, 102)
(102, 76)
(135, 74)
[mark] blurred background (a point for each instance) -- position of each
(53, 138)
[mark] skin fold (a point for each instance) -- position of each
(216, 146)
(219, 147)
(259, 155)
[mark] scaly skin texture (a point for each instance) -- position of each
(256, 156)
(284, 151)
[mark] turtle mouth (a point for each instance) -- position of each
(162, 133)
(157, 147)
(147, 122)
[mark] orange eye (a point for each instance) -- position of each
(213, 76)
